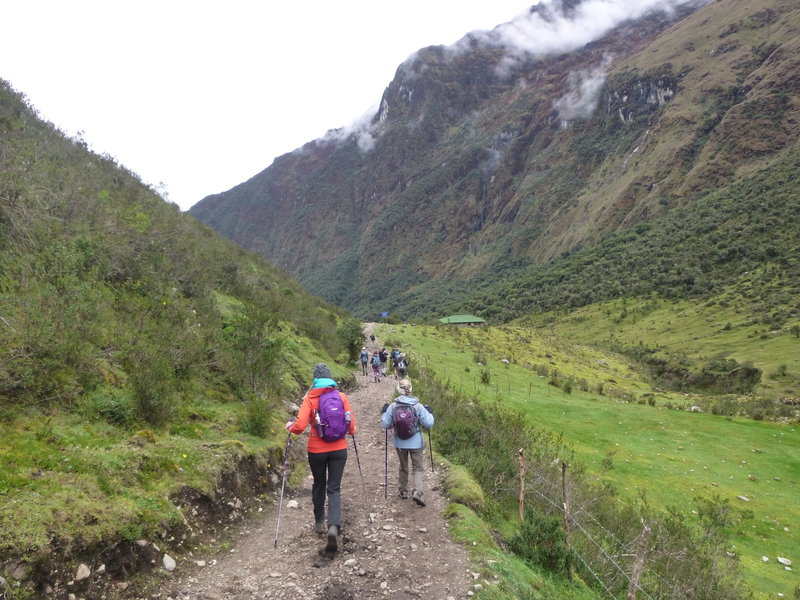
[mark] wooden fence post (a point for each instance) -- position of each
(565, 492)
(521, 455)
(638, 564)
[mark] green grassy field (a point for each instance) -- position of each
(685, 329)
(673, 456)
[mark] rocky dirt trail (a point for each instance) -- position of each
(389, 548)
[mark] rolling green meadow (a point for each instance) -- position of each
(625, 434)
(689, 332)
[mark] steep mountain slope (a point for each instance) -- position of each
(99, 272)
(485, 158)
(143, 358)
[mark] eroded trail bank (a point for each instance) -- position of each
(389, 548)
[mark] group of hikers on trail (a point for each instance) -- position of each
(327, 410)
(378, 361)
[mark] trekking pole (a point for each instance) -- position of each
(430, 450)
(385, 459)
(283, 484)
(358, 461)
(386, 466)
(430, 443)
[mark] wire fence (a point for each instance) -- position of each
(629, 558)
(624, 548)
(638, 559)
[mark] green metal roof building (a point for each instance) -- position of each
(462, 320)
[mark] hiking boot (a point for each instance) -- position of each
(333, 543)
(403, 495)
(319, 528)
(417, 497)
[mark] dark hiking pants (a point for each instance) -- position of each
(327, 469)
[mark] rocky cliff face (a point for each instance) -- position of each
(480, 158)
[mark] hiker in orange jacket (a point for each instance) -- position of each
(326, 459)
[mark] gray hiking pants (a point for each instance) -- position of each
(417, 468)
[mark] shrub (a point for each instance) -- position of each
(153, 391)
(256, 418)
(114, 405)
(541, 541)
(352, 337)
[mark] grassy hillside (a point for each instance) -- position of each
(640, 441)
(675, 340)
(142, 357)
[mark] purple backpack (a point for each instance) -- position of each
(332, 421)
(406, 421)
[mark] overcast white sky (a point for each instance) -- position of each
(201, 95)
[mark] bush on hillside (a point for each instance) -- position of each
(541, 541)
(352, 336)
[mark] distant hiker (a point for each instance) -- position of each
(401, 367)
(376, 366)
(364, 358)
(395, 356)
(372, 338)
(384, 356)
(408, 417)
(323, 407)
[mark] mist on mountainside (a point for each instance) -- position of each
(574, 136)
(550, 27)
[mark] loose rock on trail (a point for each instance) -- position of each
(388, 547)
